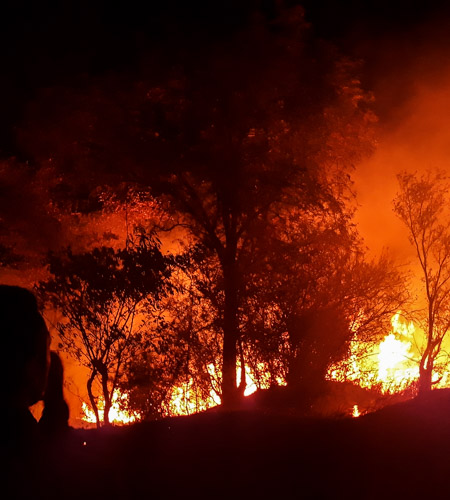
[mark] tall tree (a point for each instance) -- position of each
(29, 224)
(262, 126)
(422, 204)
(223, 132)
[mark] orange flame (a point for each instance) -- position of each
(186, 400)
(116, 414)
(392, 365)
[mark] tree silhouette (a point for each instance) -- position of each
(109, 299)
(313, 293)
(223, 134)
(422, 205)
(245, 130)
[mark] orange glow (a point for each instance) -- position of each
(397, 365)
(392, 365)
(186, 400)
(250, 379)
(116, 415)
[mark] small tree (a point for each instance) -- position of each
(422, 205)
(107, 297)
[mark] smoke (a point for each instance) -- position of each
(409, 73)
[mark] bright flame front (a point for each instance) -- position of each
(391, 366)
(116, 414)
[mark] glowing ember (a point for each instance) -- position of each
(116, 414)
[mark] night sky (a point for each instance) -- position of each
(52, 43)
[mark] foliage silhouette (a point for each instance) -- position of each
(223, 135)
(110, 301)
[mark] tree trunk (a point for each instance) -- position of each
(106, 396)
(230, 394)
(293, 378)
(243, 381)
(425, 378)
(92, 398)
(427, 361)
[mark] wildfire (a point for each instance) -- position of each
(116, 414)
(394, 363)
(186, 399)
(397, 364)
(391, 366)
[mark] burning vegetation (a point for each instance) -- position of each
(227, 231)
(199, 239)
(388, 368)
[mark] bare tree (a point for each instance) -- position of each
(422, 205)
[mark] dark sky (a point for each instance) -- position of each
(49, 43)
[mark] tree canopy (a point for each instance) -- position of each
(109, 300)
(247, 144)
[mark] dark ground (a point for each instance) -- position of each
(399, 452)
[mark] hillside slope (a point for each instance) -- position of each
(398, 452)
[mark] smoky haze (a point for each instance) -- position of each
(409, 73)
